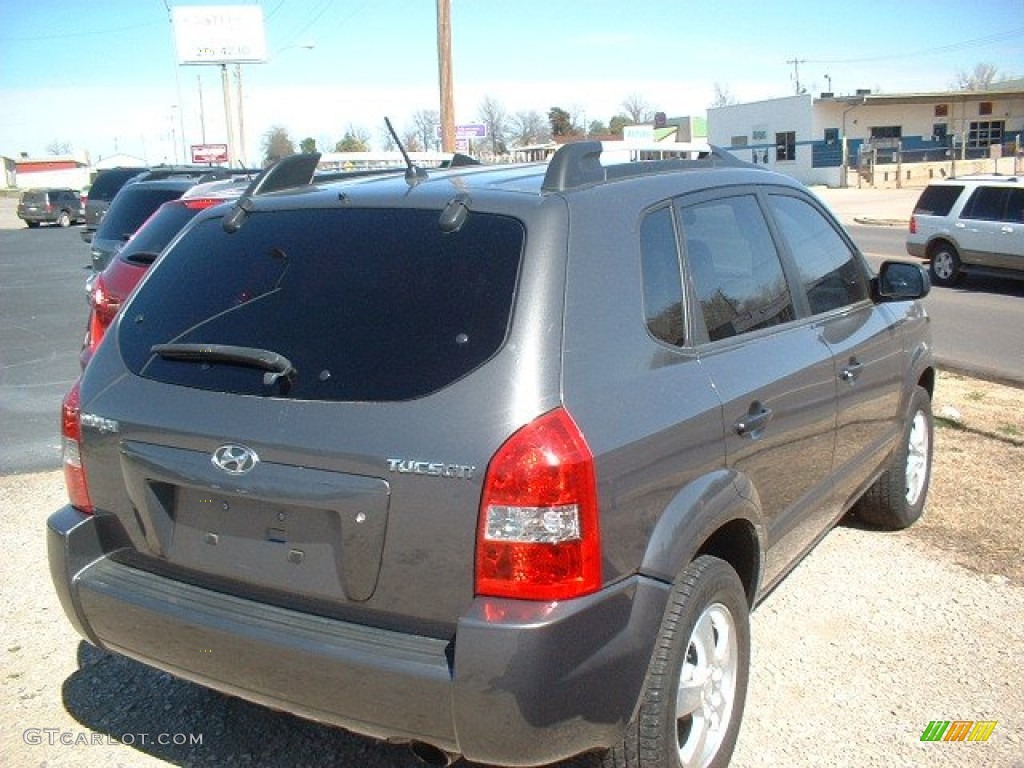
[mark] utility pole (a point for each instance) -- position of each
(444, 68)
(796, 73)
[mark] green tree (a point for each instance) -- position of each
(597, 128)
(277, 144)
(617, 123)
(307, 146)
(354, 140)
(561, 122)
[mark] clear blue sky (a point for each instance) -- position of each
(102, 76)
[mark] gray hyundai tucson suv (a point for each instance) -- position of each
(494, 461)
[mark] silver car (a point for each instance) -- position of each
(970, 225)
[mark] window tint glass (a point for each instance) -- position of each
(937, 201)
(157, 232)
(987, 204)
(367, 304)
(663, 282)
(1015, 207)
(130, 208)
(829, 270)
(734, 266)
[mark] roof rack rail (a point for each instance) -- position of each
(578, 164)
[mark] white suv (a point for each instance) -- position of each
(970, 224)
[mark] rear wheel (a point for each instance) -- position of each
(945, 265)
(64, 219)
(696, 684)
(32, 224)
(896, 500)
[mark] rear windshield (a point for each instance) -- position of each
(108, 183)
(937, 200)
(366, 304)
(34, 198)
(133, 206)
(158, 231)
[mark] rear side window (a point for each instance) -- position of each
(987, 204)
(830, 271)
(663, 281)
(366, 304)
(938, 200)
(734, 267)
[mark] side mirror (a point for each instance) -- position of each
(900, 281)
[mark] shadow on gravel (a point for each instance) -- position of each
(186, 724)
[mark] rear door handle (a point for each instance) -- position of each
(851, 371)
(753, 423)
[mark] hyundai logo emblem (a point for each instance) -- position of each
(234, 459)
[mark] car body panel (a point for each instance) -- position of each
(258, 532)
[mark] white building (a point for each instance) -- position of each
(924, 134)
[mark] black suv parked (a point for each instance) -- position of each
(60, 206)
(494, 461)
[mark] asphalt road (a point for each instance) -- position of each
(976, 327)
(42, 320)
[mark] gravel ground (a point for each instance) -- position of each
(869, 639)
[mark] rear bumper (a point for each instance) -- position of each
(518, 684)
(918, 250)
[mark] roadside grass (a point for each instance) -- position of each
(974, 507)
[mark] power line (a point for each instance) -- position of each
(951, 48)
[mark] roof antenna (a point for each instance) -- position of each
(413, 173)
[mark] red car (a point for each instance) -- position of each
(108, 290)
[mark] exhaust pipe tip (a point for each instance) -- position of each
(428, 754)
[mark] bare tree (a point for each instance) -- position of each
(425, 122)
(638, 109)
(723, 97)
(979, 79)
(492, 115)
(529, 128)
(58, 148)
(411, 140)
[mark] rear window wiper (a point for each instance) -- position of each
(279, 368)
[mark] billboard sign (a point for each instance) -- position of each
(219, 34)
(209, 153)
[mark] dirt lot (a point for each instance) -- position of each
(974, 504)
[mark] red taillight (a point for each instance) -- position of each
(71, 444)
(913, 225)
(103, 307)
(202, 203)
(538, 535)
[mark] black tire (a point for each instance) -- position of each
(703, 650)
(945, 266)
(897, 498)
(32, 224)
